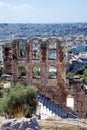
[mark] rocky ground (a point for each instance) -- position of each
(2, 119)
(45, 124)
(65, 124)
(19, 124)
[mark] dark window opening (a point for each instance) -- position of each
(7, 50)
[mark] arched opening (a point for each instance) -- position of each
(36, 50)
(22, 49)
(36, 72)
(52, 45)
(52, 72)
(22, 71)
(52, 51)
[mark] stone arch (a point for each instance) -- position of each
(22, 71)
(36, 72)
(22, 49)
(52, 47)
(52, 72)
(36, 46)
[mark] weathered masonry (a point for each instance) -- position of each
(40, 62)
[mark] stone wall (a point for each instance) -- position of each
(7, 59)
(55, 88)
(78, 91)
(48, 56)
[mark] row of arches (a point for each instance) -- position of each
(36, 50)
(36, 70)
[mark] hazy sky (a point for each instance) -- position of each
(43, 11)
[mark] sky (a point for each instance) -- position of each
(43, 11)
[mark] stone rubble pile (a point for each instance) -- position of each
(20, 124)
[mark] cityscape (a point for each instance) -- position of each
(43, 65)
(72, 57)
(8, 32)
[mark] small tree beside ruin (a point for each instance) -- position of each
(20, 100)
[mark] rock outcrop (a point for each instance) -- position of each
(20, 124)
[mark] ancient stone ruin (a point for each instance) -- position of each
(79, 92)
(42, 62)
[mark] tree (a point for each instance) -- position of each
(84, 76)
(20, 100)
(1, 70)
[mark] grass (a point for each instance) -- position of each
(1, 85)
(49, 127)
(72, 128)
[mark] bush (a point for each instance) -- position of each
(23, 71)
(1, 70)
(20, 100)
(1, 90)
(70, 74)
(84, 76)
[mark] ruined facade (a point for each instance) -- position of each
(40, 62)
(43, 61)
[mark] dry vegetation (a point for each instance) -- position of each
(62, 128)
(68, 124)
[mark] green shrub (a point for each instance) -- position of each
(23, 71)
(20, 100)
(70, 74)
(1, 70)
(7, 42)
(1, 90)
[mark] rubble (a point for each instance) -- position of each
(20, 124)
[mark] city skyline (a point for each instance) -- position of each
(37, 11)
